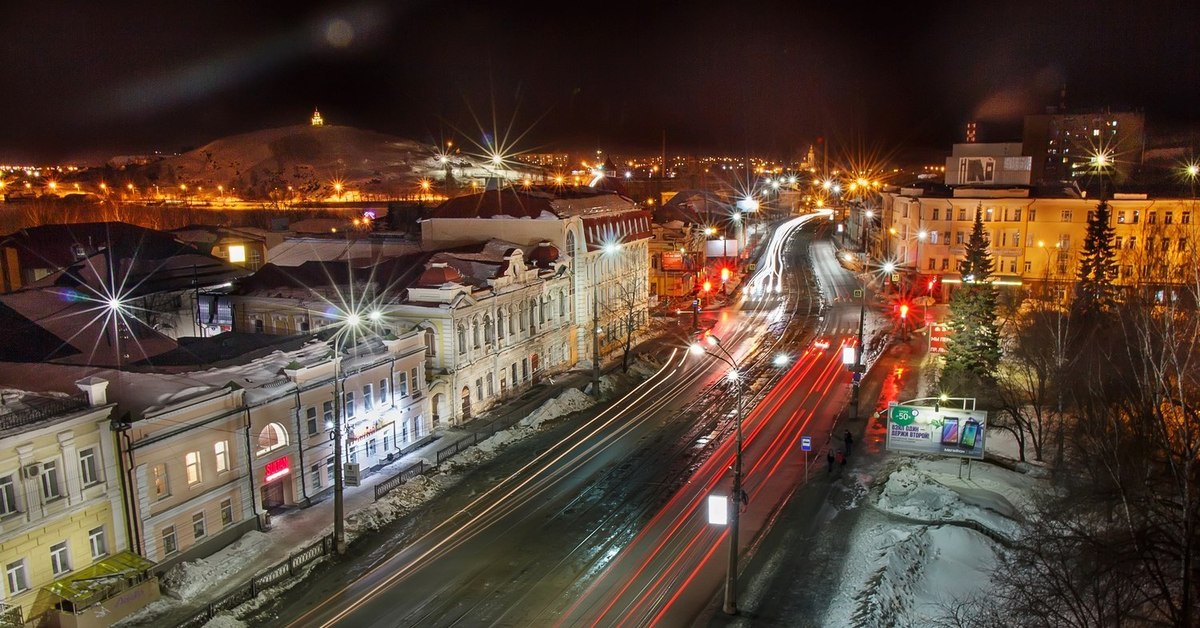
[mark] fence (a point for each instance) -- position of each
(451, 450)
(261, 582)
(415, 469)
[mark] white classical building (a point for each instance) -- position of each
(602, 236)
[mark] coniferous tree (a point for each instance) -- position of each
(973, 348)
(1097, 264)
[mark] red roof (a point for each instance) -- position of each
(439, 274)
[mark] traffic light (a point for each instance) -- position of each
(707, 286)
(903, 311)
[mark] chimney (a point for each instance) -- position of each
(96, 390)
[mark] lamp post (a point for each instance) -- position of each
(350, 327)
(730, 605)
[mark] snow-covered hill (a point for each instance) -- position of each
(318, 163)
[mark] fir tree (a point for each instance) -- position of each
(1097, 264)
(973, 348)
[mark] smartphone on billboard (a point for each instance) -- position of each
(970, 433)
(950, 432)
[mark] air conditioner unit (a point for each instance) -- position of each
(33, 470)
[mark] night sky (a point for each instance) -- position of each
(88, 80)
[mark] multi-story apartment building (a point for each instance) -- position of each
(61, 522)
(1061, 144)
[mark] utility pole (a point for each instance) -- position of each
(595, 343)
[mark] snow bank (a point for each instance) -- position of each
(936, 546)
(190, 579)
(400, 501)
(918, 494)
(568, 401)
(225, 621)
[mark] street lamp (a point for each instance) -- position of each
(351, 326)
(730, 606)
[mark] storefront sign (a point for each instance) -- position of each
(276, 469)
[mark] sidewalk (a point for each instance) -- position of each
(202, 582)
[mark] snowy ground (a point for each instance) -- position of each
(927, 540)
(192, 581)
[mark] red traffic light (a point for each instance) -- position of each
(903, 311)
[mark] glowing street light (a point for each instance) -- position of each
(730, 604)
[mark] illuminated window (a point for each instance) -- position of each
(221, 449)
(272, 437)
(237, 254)
(161, 488)
(192, 462)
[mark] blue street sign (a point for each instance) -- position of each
(806, 443)
(857, 377)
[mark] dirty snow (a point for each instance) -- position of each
(189, 579)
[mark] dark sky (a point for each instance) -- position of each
(92, 79)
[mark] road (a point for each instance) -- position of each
(548, 532)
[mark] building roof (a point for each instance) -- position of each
(57, 246)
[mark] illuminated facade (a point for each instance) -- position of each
(1035, 241)
(60, 494)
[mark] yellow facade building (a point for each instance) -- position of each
(62, 539)
(1035, 241)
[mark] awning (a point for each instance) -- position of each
(101, 580)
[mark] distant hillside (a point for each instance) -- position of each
(310, 159)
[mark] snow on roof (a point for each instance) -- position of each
(143, 392)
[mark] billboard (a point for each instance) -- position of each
(721, 248)
(947, 432)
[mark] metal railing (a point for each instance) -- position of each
(412, 471)
(289, 568)
(43, 409)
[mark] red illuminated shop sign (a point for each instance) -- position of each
(276, 469)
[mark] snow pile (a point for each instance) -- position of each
(225, 621)
(400, 501)
(189, 579)
(919, 573)
(932, 543)
(914, 493)
(568, 401)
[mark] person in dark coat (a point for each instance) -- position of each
(841, 457)
(830, 458)
(849, 440)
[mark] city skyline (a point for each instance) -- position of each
(92, 82)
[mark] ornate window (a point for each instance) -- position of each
(272, 437)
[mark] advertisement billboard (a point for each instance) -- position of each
(721, 248)
(947, 431)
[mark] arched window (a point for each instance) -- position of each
(488, 330)
(562, 304)
(475, 333)
(271, 438)
(462, 339)
(500, 323)
(512, 324)
(430, 343)
(570, 243)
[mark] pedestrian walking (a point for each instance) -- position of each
(830, 458)
(841, 458)
(849, 440)
(745, 501)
